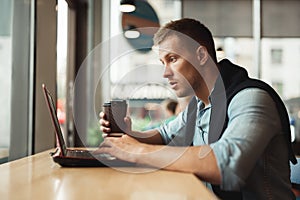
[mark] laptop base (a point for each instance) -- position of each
(79, 162)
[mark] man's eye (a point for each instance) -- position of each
(172, 59)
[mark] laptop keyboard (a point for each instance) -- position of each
(88, 154)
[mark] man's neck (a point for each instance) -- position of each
(208, 83)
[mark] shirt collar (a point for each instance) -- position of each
(201, 105)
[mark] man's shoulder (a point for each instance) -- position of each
(254, 86)
(251, 94)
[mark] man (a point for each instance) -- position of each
(234, 134)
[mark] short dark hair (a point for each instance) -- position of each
(190, 27)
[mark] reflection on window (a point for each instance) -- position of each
(140, 78)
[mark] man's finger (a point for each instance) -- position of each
(104, 122)
(101, 114)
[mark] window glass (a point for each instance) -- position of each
(235, 49)
(280, 64)
(62, 43)
(137, 76)
(5, 76)
(281, 69)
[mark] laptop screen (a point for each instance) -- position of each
(52, 110)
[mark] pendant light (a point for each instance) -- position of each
(127, 6)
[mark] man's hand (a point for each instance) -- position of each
(199, 160)
(125, 148)
(105, 126)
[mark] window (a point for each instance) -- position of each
(233, 49)
(140, 78)
(276, 56)
(5, 77)
(288, 67)
(62, 43)
(259, 35)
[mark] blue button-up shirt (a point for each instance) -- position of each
(252, 154)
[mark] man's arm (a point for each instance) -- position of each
(199, 160)
(138, 147)
(149, 136)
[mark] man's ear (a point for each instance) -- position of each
(202, 55)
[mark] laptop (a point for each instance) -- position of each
(70, 157)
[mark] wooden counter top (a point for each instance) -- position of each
(38, 177)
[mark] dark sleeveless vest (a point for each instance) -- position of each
(233, 79)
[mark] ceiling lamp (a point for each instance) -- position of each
(127, 6)
(132, 32)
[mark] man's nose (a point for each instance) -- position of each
(167, 72)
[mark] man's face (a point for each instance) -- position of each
(182, 76)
